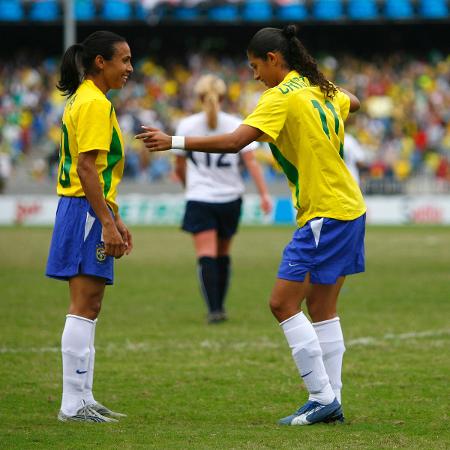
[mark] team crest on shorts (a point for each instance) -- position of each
(100, 252)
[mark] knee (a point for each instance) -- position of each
(95, 307)
(277, 307)
(89, 309)
(319, 312)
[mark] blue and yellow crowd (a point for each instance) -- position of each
(403, 127)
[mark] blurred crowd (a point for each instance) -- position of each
(403, 128)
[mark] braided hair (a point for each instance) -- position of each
(294, 53)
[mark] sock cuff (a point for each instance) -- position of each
(206, 259)
(326, 322)
(73, 316)
(292, 318)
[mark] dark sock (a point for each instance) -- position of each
(208, 276)
(224, 270)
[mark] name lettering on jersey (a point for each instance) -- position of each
(292, 85)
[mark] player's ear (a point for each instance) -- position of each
(273, 58)
(99, 62)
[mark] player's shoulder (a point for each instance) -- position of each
(87, 93)
(191, 121)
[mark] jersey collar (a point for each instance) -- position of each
(91, 85)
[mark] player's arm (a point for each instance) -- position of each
(180, 169)
(256, 173)
(155, 140)
(355, 104)
(87, 172)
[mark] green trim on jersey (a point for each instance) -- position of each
(66, 157)
(114, 156)
(289, 170)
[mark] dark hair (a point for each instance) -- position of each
(294, 53)
(78, 60)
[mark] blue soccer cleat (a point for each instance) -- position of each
(313, 412)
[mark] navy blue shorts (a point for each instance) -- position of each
(77, 246)
(326, 249)
(202, 216)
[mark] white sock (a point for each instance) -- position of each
(75, 359)
(88, 395)
(302, 340)
(331, 341)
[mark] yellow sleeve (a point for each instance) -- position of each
(94, 126)
(343, 101)
(269, 115)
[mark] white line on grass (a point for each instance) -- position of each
(236, 346)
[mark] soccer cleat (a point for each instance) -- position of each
(217, 317)
(313, 412)
(104, 411)
(336, 418)
(85, 414)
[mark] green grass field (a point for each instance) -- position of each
(187, 385)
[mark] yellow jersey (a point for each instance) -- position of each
(305, 131)
(89, 123)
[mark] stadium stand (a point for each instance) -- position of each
(291, 10)
(362, 9)
(328, 9)
(257, 10)
(433, 9)
(85, 10)
(45, 10)
(117, 10)
(252, 11)
(398, 9)
(11, 10)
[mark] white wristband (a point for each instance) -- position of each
(178, 142)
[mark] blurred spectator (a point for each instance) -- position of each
(404, 124)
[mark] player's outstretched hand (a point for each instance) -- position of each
(155, 140)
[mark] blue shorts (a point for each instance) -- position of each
(326, 249)
(202, 216)
(77, 247)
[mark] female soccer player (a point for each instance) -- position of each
(301, 115)
(213, 191)
(88, 232)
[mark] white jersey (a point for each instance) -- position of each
(353, 154)
(212, 177)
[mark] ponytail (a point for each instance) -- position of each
(294, 53)
(70, 77)
(211, 90)
(79, 59)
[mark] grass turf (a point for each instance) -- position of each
(187, 385)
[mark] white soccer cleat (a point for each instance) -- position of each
(104, 411)
(85, 414)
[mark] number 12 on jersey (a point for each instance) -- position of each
(211, 161)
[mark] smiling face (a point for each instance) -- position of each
(270, 71)
(117, 70)
(113, 73)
